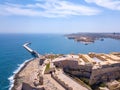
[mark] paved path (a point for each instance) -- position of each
(69, 81)
(51, 84)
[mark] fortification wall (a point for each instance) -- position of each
(80, 70)
(105, 73)
(66, 64)
(62, 83)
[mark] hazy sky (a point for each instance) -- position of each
(59, 16)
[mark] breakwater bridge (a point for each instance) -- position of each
(33, 52)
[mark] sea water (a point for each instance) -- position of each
(13, 55)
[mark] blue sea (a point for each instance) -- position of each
(13, 55)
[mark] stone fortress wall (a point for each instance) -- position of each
(107, 69)
(105, 73)
(62, 83)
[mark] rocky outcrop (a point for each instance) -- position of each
(28, 75)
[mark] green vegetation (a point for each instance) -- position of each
(86, 80)
(96, 86)
(83, 83)
(118, 80)
(102, 85)
(47, 67)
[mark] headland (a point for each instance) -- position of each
(92, 37)
(93, 71)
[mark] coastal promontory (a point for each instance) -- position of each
(92, 71)
(92, 37)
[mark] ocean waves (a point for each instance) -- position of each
(11, 78)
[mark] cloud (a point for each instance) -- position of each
(110, 4)
(48, 8)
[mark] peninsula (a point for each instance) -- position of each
(92, 37)
(93, 71)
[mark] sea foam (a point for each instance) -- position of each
(11, 78)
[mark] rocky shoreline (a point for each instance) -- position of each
(28, 73)
(92, 37)
(16, 76)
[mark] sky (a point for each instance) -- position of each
(59, 16)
